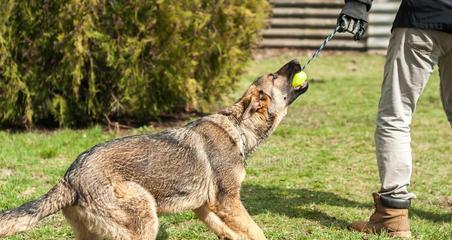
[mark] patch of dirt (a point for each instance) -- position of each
(6, 172)
(166, 121)
(39, 175)
(28, 192)
(263, 53)
(445, 202)
(122, 126)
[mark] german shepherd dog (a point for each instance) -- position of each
(115, 190)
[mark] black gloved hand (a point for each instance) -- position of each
(353, 18)
(357, 27)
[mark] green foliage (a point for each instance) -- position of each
(75, 62)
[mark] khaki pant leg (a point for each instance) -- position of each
(445, 73)
(410, 60)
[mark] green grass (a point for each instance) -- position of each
(312, 177)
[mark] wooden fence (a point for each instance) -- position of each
(304, 24)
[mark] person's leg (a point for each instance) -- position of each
(410, 60)
(411, 57)
(445, 73)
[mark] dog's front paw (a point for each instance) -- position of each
(233, 237)
(257, 234)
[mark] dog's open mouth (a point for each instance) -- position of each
(290, 69)
(297, 91)
(296, 68)
(303, 87)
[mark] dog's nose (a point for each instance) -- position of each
(295, 61)
(290, 68)
(296, 65)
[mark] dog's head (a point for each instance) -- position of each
(272, 93)
(269, 97)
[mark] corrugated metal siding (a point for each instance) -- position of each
(381, 17)
(304, 24)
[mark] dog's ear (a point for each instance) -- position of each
(254, 102)
(250, 104)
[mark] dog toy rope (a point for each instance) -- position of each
(317, 52)
(299, 78)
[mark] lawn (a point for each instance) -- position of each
(312, 177)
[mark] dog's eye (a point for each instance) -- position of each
(263, 95)
(285, 97)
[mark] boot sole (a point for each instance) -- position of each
(400, 234)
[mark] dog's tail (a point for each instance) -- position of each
(24, 217)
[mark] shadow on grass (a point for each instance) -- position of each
(434, 217)
(295, 203)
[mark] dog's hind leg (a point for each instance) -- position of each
(76, 220)
(215, 224)
(137, 211)
(124, 212)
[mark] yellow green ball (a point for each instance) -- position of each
(299, 79)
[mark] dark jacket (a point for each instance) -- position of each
(424, 14)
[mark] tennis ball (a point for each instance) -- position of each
(299, 79)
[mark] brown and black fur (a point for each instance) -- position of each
(116, 189)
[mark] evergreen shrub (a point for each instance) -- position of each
(73, 63)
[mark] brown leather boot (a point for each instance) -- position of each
(390, 216)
